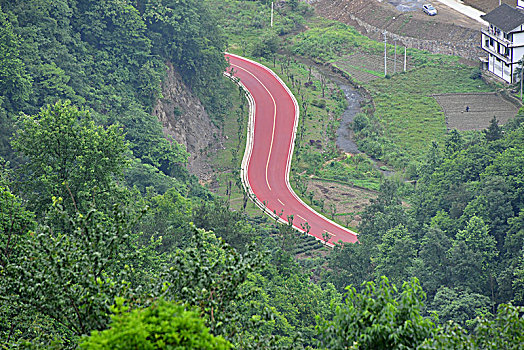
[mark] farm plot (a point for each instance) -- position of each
(474, 111)
(367, 67)
(343, 202)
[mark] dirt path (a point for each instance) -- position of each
(469, 11)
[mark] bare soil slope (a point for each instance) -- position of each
(184, 118)
(488, 5)
(344, 202)
(449, 32)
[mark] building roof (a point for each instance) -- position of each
(505, 17)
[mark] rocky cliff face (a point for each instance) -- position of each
(184, 119)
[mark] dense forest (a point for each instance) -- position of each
(107, 241)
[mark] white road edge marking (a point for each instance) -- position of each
(274, 119)
(249, 148)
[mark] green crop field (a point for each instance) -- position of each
(405, 117)
(412, 118)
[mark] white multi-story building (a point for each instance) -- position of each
(503, 40)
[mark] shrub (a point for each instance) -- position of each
(319, 103)
(476, 74)
(163, 325)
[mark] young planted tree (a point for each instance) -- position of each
(494, 131)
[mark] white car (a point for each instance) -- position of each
(429, 9)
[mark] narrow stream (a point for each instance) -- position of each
(344, 140)
(353, 97)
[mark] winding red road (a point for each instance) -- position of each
(271, 135)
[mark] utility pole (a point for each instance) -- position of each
(271, 14)
(405, 58)
(395, 66)
(385, 54)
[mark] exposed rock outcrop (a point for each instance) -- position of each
(184, 119)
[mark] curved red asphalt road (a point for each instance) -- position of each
(272, 147)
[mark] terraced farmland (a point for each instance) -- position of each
(367, 67)
(481, 108)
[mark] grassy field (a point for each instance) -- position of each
(410, 118)
(246, 23)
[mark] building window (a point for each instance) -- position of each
(491, 41)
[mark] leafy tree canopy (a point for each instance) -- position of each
(380, 317)
(162, 325)
(67, 156)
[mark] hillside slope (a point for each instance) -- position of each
(111, 57)
(447, 33)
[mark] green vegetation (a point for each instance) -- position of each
(355, 323)
(460, 235)
(106, 241)
(248, 23)
(329, 41)
(162, 325)
(410, 115)
(65, 152)
(326, 43)
(404, 118)
(357, 169)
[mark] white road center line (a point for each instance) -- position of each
(274, 120)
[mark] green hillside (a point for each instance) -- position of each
(107, 241)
